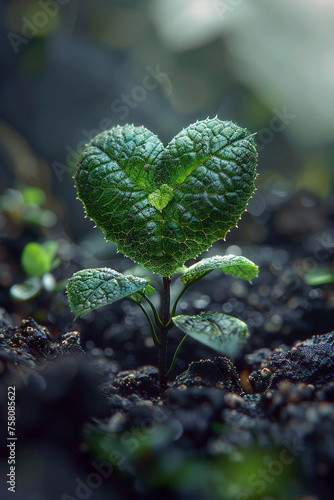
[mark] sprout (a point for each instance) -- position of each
(163, 206)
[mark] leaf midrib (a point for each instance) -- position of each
(135, 182)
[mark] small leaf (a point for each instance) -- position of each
(159, 198)
(223, 333)
(40, 216)
(319, 277)
(181, 269)
(33, 196)
(26, 290)
(50, 248)
(90, 289)
(55, 263)
(235, 265)
(148, 290)
(49, 282)
(35, 259)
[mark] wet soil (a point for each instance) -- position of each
(84, 425)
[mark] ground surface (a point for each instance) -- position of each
(85, 426)
(90, 422)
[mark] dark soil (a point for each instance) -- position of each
(91, 424)
(86, 428)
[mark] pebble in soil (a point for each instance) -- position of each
(143, 382)
(310, 361)
(219, 373)
(29, 347)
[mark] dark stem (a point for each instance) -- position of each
(165, 315)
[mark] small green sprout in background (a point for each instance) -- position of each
(24, 206)
(37, 261)
(163, 206)
(320, 276)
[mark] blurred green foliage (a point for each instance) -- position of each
(37, 261)
(321, 276)
(24, 205)
(149, 457)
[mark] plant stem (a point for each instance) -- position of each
(176, 302)
(175, 355)
(165, 315)
(155, 312)
(153, 332)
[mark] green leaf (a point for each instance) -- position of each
(33, 196)
(35, 259)
(319, 277)
(223, 333)
(55, 263)
(50, 248)
(237, 266)
(49, 282)
(181, 270)
(163, 206)
(26, 290)
(39, 216)
(160, 197)
(148, 290)
(93, 288)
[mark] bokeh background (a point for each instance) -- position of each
(71, 69)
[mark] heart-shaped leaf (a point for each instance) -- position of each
(223, 333)
(163, 206)
(236, 265)
(93, 288)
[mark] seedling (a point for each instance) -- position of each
(37, 261)
(162, 207)
(24, 207)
